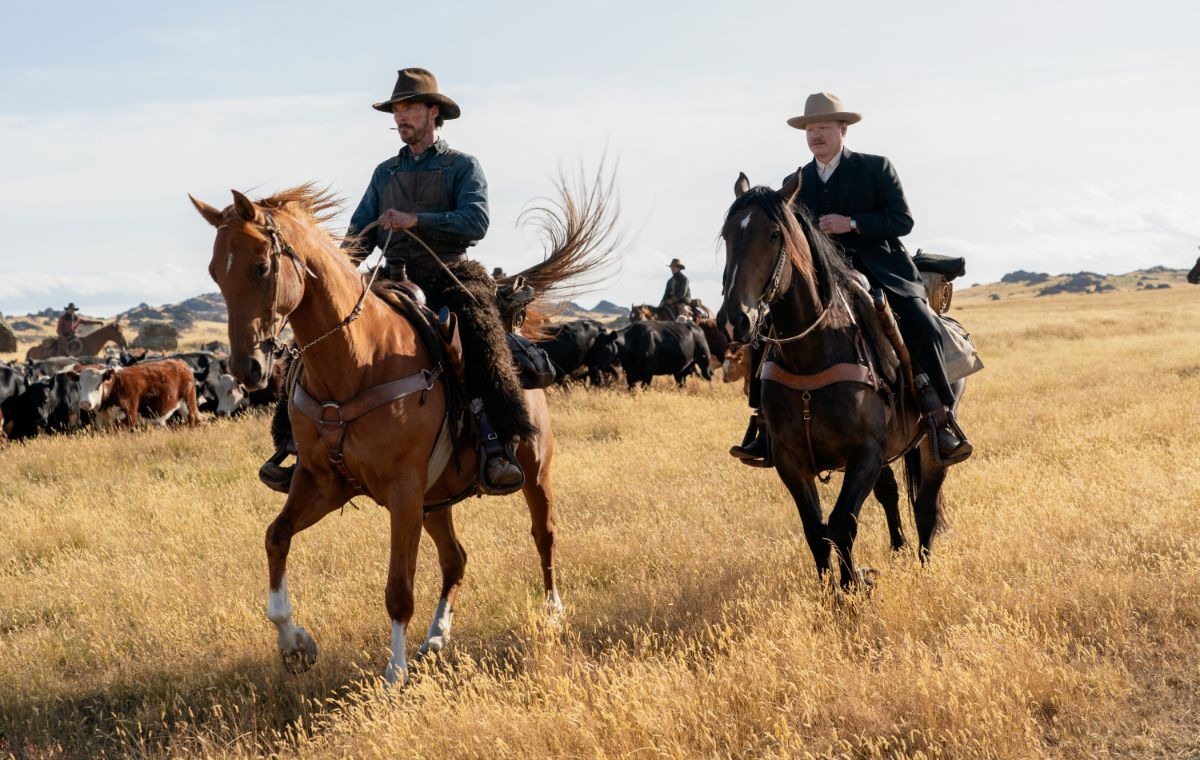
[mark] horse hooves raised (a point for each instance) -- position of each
(433, 645)
(303, 653)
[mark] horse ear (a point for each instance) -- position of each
(791, 188)
(245, 207)
(210, 214)
(741, 186)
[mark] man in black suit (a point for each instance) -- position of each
(857, 200)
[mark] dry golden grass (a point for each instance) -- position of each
(1060, 617)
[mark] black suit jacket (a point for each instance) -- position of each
(869, 190)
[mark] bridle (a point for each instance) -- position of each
(770, 294)
(279, 249)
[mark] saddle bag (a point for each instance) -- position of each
(533, 364)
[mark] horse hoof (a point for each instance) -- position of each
(867, 576)
(303, 653)
(553, 608)
(432, 645)
(395, 675)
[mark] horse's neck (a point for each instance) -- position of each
(330, 294)
(797, 311)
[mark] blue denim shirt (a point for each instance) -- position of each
(465, 187)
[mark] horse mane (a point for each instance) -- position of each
(824, 264)
(319, 204)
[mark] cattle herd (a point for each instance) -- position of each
(122, 388)
(589, 352)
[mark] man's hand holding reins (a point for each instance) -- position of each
(834, 224)
(397, 220)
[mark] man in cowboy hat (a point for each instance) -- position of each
(857, 200)
(678, 291)
(68, 324)
(432, 194)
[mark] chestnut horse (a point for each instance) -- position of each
(90, 344)
(776, 260)
(274, 262)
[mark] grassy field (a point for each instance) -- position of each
(1059, 618)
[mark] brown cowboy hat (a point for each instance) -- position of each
(419, 85)
(823, 106)
(676, 263)
(72, 307)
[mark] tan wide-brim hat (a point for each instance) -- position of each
(823, 106)
(421, 86)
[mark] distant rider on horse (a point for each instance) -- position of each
(439, 194)
(68, 325)
(678, 292)
(857, 200)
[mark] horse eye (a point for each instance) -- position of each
(262, 269)
(775, 234)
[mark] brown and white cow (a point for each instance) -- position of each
(737, 366)
(156, 389)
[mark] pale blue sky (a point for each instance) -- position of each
(1045, 136)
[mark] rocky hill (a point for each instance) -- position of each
(1037, 284)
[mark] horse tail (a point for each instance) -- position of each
(579, 231)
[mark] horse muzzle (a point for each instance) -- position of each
(251, 369)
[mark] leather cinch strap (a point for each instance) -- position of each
(332, 417)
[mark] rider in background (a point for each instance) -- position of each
(678, 292)
(68, 325)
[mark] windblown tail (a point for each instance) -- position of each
(579, 229)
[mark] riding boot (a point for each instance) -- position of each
(950, 444)
(499, 473)
(755, 449)
(274, 475)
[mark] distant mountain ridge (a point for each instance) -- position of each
(1152, 278)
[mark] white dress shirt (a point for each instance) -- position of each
(825, 171)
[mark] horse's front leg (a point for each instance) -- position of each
(803, 488)
(406, 508)
(453, 561)
(862, 472)
(307, 502)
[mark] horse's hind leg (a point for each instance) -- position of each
(453, 560)
(307, 503)
(888, 495)
(927, 502)
(539, 495)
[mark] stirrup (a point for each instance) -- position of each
(754, 451)
(507, 457)
(273, 475)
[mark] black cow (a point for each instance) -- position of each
(49, 404)
(207, 368)
(568, 346)
(650, 348)
(12, 384)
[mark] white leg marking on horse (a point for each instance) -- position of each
(553, 606)
(397, 669)
(439, 629)
(279, 612)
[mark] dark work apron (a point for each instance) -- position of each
(417, 192)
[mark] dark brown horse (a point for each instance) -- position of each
(777, 260)
(645, 312)
(273, 262)
(1194, 276)
(89, 345)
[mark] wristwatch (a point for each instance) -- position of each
(853, 225)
